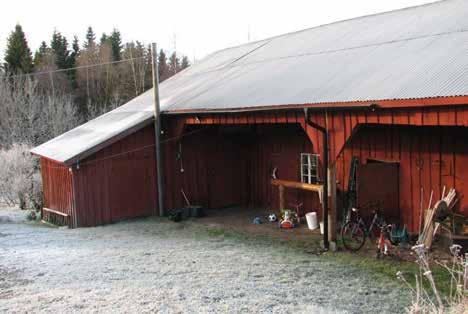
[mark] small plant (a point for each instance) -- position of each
(426, 295)
(32, 215)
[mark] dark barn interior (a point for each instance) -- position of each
(230, 165)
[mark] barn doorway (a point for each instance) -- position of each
(228, 171)
(230, 166)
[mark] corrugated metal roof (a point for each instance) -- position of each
(416, 52)
(66, 147)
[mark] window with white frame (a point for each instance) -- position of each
(309, 168)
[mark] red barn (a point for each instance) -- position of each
(390, 90)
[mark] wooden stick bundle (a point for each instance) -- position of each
(446, 203)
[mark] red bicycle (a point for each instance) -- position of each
(355, 231)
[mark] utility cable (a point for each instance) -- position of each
(72, 68)
(133, 150)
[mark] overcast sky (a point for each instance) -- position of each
(198, 26)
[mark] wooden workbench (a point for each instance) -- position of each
(282, 184)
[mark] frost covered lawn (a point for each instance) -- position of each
(154, 265)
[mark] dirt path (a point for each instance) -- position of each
(152, 265)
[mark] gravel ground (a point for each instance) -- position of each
(156, 266)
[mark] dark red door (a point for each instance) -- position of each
(228, 173)
(379, 182)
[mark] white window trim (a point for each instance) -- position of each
(309, 168)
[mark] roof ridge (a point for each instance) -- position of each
(312, 53)
(328, 24)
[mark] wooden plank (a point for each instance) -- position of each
(298, 185)
(400, 117)
(54, 212)
(384, 117)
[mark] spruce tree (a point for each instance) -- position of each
(59, 45)
(185, 63)
(162, 66)
(104, 39)
(116, 45)
(72, 60)
(75, 50)
(90, 38)
(18, 56)
(40, 54)
(174, 64)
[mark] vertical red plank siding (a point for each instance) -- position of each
(117, 182)
(57, 187)
(429, 157)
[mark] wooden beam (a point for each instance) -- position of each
(298, 185)
(55, 212)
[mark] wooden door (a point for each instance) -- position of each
(379, 182)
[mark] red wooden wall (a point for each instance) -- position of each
(57, 185)
(117, 182)
(228, 159)
(429, 157)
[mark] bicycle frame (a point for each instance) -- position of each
(355, 230)
(374, 223)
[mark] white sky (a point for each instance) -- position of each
(200, 26)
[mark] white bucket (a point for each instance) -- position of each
(321, 227)
(311, 220)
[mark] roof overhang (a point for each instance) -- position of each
(345, 105)
(102, 145)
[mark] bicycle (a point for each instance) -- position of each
(354, 232)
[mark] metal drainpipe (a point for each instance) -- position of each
(325, 183)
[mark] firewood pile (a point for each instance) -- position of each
(430, 225)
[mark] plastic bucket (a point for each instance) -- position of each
(196, 211)
(321, 227)
(311, 220)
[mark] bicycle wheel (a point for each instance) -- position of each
(353, 236)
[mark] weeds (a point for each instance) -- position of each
(427, 295)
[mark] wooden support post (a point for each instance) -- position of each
(281, 197)
(325, 191)
(324, 132)
(333, 208)
(157, 129)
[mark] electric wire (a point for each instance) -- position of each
(87, 66)
(133, 150)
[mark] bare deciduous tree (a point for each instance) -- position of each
(20, 182)
(31, 117)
